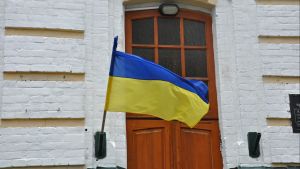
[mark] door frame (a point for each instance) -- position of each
(212, 115)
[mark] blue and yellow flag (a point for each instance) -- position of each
(140, 86)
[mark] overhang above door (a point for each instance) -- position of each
(199, 3)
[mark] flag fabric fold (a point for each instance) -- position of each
(140, 86)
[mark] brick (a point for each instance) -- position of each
(23, 148)
(42, 102)
(45, 14)
(43, 54)
(280, 59)
(285, 17)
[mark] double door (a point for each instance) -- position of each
(183, 44)
(157, 144)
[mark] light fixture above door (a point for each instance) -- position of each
(168, 9)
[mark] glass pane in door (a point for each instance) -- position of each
(168, 31)
(146, 53)
(194, 32)
(170, 59)
(195, 63)
(143, 31)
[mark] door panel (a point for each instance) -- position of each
(198, 148)
(196, 143)
(148, 143)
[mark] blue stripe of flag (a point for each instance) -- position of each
(132, 66)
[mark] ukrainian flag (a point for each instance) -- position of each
(140, 86)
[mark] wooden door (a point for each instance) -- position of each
(182, 44)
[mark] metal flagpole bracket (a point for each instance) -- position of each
(100, 145)
(100, 140)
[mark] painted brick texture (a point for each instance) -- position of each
(104, 20)
(276, 97)
(281, 144)
(41, 146)
(245, 97)
(67, 14)
(28, 53)
(226, 82)
(280, 59)
(277, 20)
(42, 99)
(2, 7)
(284, 145)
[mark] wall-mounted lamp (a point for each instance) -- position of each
(168, 9)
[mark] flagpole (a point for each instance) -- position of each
(108, 83)
(103, 121)
(100, 137)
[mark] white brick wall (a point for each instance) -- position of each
(42, 99)
(67, 14)
(2, 7)
(281, 145)
(226, 82)
(248, 76)
(276, 98)
(244, 99)
(239, 79)
(41, 146)
(278, 20)
(280, 59)
(37, 146)
(104, 20)
(284, 144)
(27, 53)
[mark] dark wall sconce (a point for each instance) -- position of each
(253, 144)
(168, 9)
